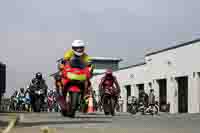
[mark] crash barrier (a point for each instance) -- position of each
(5, 103)
(5, 106)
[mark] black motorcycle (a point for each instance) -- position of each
(133, 106)
(39, 100)
(152, 109)
(37, 95)
(141, 107)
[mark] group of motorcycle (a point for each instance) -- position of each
(21, 103)
(34, 102)
(71, 97)
(135, 106)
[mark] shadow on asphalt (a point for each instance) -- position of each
(93, 117)
(3, 124)
(30, 124)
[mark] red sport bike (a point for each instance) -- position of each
(73, 80)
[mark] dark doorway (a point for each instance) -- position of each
(128, 90)
(198, 74)
(140, 88)
(182, 94)
(162, 94)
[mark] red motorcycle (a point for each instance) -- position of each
(51, 103)
(109, 100)
(73, 80)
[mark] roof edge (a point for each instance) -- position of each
(173, 47)
(107, 58)
(131, 66)
(100, 58)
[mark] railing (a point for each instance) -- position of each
(4, 106)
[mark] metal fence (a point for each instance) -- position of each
(5, 103)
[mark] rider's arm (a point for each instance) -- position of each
(45, 87)
(117, 84)
(68, 55)
(87, 59)
(101, 83)
(90, 88)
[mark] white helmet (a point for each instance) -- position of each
(78, 44)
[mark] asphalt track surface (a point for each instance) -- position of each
(98, 122)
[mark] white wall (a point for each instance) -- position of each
(183, 62)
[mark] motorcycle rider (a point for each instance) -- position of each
(143, 98)
(36, 82)
(39, 81)
(109, 80)
(50, 100)
(20, 97)
(151, 99)
(78, 49)
(50, 93)
(76, 56)
(13, 100)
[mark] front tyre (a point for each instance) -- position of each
(74, 104)
(106, 105)
(112, 106)
(38, 105)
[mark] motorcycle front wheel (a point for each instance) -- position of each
(38, 105)
(109, 105)
(112, 106)
(72, 105)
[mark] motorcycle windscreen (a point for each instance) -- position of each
(74, 89)
(76, 62)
